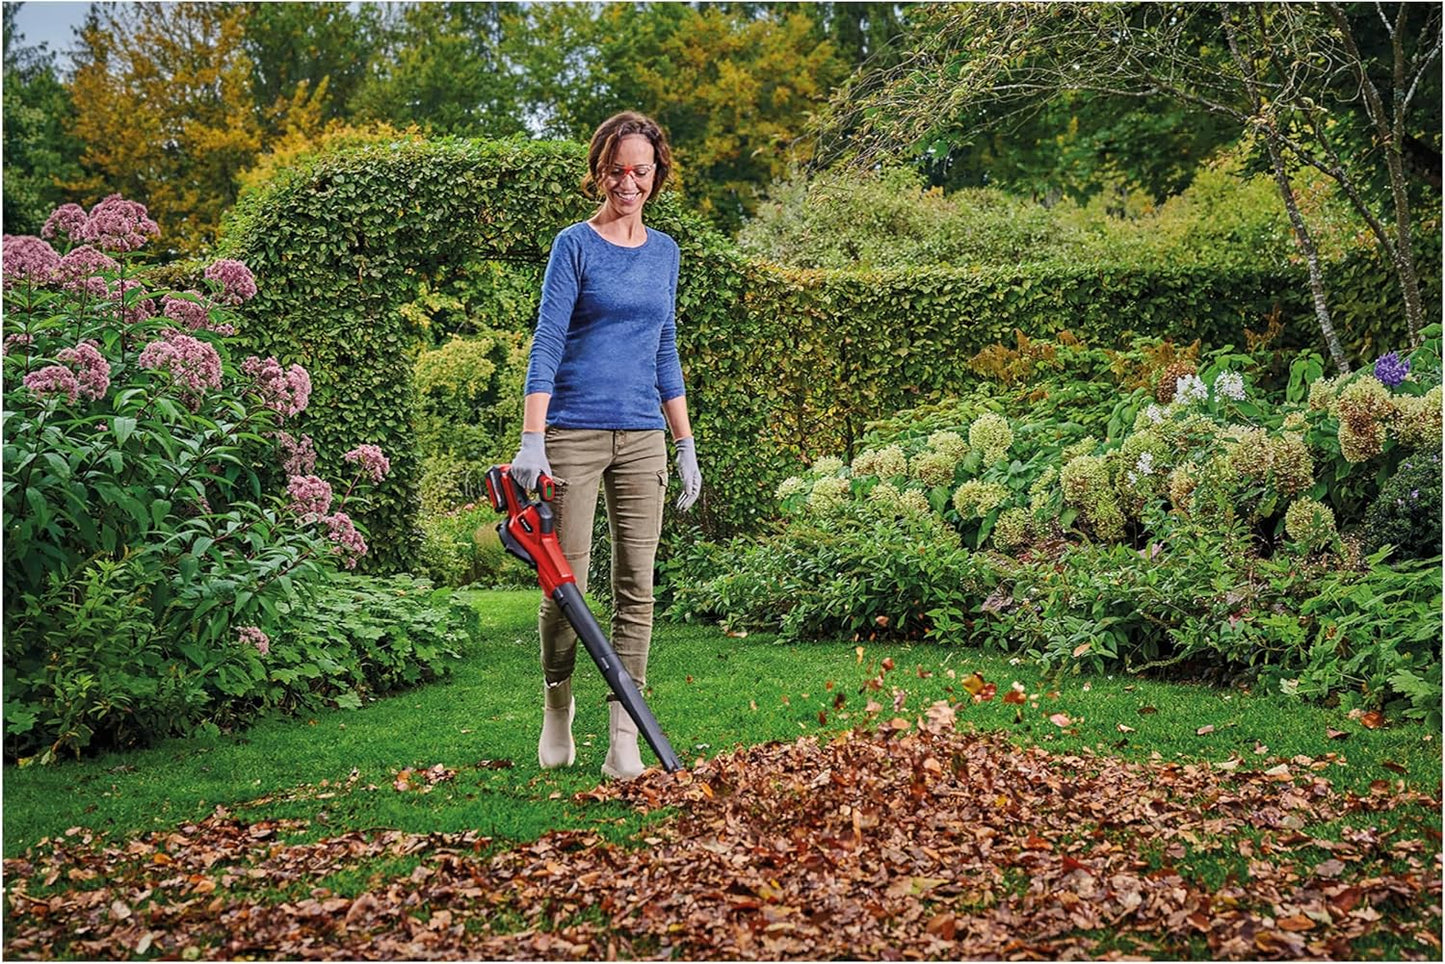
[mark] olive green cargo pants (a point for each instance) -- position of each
(631, 468)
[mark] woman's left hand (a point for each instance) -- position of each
(687, 472)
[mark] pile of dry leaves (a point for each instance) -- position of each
(909, 840)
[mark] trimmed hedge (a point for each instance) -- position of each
(342, 242)
(780, 363)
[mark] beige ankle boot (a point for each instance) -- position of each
(623, 761)
(556, 749)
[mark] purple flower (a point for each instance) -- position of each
(80, 271)
(371, 461)
(1391, 369)
(28, 258)
(132, 311)
(68, 221)
(194, 313)
(298, 457)
(120, 225)
(252, 636)
(54, 380)
(236, 281)
(92, 371)
(348, 542)
(310, 495)
(283, 391)
(193, 365)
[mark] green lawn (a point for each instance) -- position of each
(711, 692)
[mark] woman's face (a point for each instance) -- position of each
(628, 181)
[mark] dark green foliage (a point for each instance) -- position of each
(850, 577)
(1365, 297)
(106, 680)
(294, 43)
(1406, 514)
(363, 637)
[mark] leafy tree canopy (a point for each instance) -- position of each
(40, 153)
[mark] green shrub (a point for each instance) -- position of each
(1406, 513)
(1373, 639)
(363, 637)
(871, 571)
(889, 219)
(461, 547)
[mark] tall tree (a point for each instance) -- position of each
(291, 44)
(733, 84)
(165, 107)
(441, 68)
(40, 154)
(1286, 74)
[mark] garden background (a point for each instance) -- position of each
(1082, 361)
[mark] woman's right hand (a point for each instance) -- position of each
(530, 461)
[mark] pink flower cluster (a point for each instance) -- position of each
(371, 461)
(132, 312)
(285, 391)
(119, 225)
(80, 271)
(54, 380)
(298, 456)
(92, 371)
(194, 313)
(348, 542)
(84, 374)
(236, 281)
(193, 365)
(28, 259)
(18, 340)
(310, 495)
(69, 221)
(253, 636)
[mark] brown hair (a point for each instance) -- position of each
(604, 147)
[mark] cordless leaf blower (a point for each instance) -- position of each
(529, 533)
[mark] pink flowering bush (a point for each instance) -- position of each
(236, 283)
(310, 495)
(28, 259)
(67, 221)
(284, 391)
(369, 458)
(159, 521)
(116, 224)
(192, 365)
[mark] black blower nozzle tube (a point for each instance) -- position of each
(621, 683)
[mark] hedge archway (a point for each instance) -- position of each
(341, 243)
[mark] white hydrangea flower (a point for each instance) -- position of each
(828, 465)
(1229, 385)
(1154, 413)
(1145, 465)
(791, 486)
(1190, 388)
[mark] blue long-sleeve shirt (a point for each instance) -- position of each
(606, 341)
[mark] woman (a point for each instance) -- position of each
(603, 381)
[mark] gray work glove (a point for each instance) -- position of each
(530, 461)
(687, 472)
